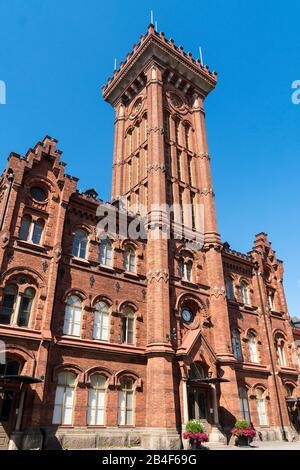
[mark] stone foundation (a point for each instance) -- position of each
(84, 438)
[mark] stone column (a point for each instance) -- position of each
(160, 409)
(117, 177)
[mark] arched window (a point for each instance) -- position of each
(64, 399)
(127, 326)
(229, 288)
(80, 244)
(25, 307)
(16, 307)
(96, 401)
(261, 407)
(101, 319)
(271, 297)
(177, 127)
(31, 230)
(11, 367)
(25, 227)
(9, 302)
(129, 259)
(279, 346)
(126, 398)
(236, 344)
(244, 404)
(185, 269)
(244, 293)
(73, 311)
(252, 348)
(38, 228)
(105, 252)
(187, 130)
(289, 390)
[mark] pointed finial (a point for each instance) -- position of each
(201, 57)
(151, 16)
(115, 64)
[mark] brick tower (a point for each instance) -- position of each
(161, 158)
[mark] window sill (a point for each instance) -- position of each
(31, 245)
(132, 275)
(80, 261)
(104, 267)
(191, 284)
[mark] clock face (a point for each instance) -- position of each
(186, 315)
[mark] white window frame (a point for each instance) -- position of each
(16, 309)
(261, 411)
(106, 253)
(72, 327)
(62, 394)
(123, 408)
(96, 394)
(77, 253)
(130, 260)
(252, 347)
(244, 404)
(101, 316)
(31, 230)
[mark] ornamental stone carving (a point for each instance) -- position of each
(157, 275)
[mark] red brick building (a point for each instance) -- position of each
(121, 341)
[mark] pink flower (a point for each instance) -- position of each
(196, 436)
(248, 432)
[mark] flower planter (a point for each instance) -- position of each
(243, 441)
(196, 445)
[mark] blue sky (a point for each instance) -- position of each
(56, 54)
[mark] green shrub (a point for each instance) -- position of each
(242, 424)
(193, 426)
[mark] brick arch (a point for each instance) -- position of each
(82, 226)
(278, 332)
(130, 374)
(99, 370)
(38, 279)
(44, 183)
(74, 291)
(101, 298)
(193, 298)
(262, 387)
(68, 367)
(22, 355)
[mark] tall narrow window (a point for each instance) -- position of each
(244, 293)
(252, 348)
(229, 288)
(64, 399)
(125, 411)
(145, 127)
(25, 307)
(96, 401)
(244, 404)
(168, 159)
(73, 312)
(138, 137)
(37, 231)
(129, 137)
(177, 124)
(129, 174)
(261, 407)
(178, 156)
(181, 192)
(105, 252)
(129, 259)
(279, 345)
(271, 300)
(166, 125)
(187, 136)
(8, 305)
(80, 244)
(236, 344)
(146, 160)
(101, 319)
(127, 326)
(190, 162)
(193, 195)
(25, 227)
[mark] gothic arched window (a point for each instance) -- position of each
(126, 402)
(96, 401)
(130, 259)
(64, 399)
(229, 288)
(72, 323)
(80, 242)
(101, 321)
(105, 252)
(236, 344)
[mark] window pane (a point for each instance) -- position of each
(37, 232)
(121, 410)
(67, 416)
(7, 309)
(25, 308)
(25, 225)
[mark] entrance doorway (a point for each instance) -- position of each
(197, 404)
(7, 398)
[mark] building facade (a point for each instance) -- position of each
(121, 340)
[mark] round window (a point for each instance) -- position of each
(186, 315)
(38, 194)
